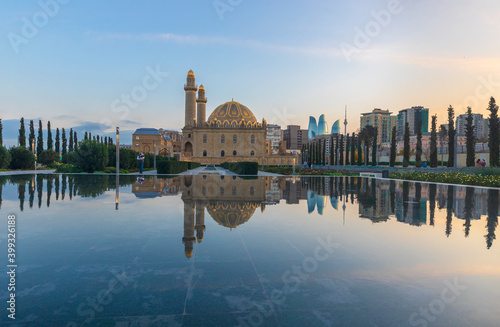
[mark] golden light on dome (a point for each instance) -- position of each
(232, 111)
(190, 73)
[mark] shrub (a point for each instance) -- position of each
(66, 169)
(91, 156)
(128, 157)
(47, 157)
(22, 158)
(172, 167)
(5, 158)
(242, 168)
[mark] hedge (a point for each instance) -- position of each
(174, 167)
(242, 168)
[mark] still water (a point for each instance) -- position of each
(227, 251)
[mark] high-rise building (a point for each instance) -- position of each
(383, 120)
(312, 128)
(336, 127)
(322, 125)
(294, 137)
(274, 136)
(412, 116)
(477, 123)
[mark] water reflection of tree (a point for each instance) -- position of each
(406, 196)
(449, 210)
(49, 190)
(468, 209)
(21, 189)
(492, 220)
(31, 189)
(418, 197)
(392, 190)
(3, 181)
(39, 189)
(367, 195)
(56, 187)
(432, 202)
(63, 187)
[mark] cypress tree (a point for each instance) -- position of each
(434, 152)
(406, 147)
(470, 139)
(1, 132)
(39, 143)
(347, 146)
(98, 139)
(360, 151)
(50, 144)
(494, 137)
(374, 146)
(110, 141)
(22, 134)
(392, 159)
(90, 136)
(70, 147)
(75, 141)
(64, 147)
(31, 136)
(451, 137)
(341, 149)
(58, 141)
(86, 136)
(106, 144)
(418, 152)
(353, 149)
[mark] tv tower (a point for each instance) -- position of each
(345, 122)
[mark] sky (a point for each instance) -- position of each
(94, 65)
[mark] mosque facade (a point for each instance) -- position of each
(230, 134)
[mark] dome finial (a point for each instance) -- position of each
(190, 73)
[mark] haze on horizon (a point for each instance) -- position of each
(285, 60)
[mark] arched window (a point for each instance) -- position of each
(222, 153)
(234, 152)
(252, 153)
(235, 139)
(252, 139)
(223, 139)
(204, 153)
(204, 138)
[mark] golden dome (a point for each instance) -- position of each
(232, 111)
(201, 87)
(231, 215)
(191, 73)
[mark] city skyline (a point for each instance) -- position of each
(74, 69)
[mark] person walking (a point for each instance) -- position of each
(141, 158)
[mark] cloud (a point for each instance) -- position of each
(216, 40)
(65, 117)
(91, 126)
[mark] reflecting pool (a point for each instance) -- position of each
(94, 250)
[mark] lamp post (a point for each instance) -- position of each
(294, 155)
(117, 196)
(33, 150)
(154, 160)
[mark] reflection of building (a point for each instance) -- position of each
(231, 132)
(155, 187)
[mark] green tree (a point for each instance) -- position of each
(50, 144)
(75, 140)
(47, 157)
(347, 148)
(353, 149)
(418, 151)
(86, 136)
(360, 151)
(64, 147)
(434, 152)
(393, 147)
(31, 136)
(1, 132)
(39, 142)
(22, 134)
(341, 149)
(22, 158)
(494, 137)
(406, 146)
(70, 147)
(5, 158)
(91, 156)
(470, 139)
(58, 141)
(374, 148)
(451, 137)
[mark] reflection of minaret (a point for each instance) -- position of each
(190, 88)
(201, 106)
(188, 238)
(200, 221)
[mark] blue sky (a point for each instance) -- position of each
(282, 59)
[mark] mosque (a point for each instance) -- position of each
(230, 134)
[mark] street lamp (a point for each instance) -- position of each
(154, 160)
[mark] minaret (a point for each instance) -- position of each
(188, 239)
(190, 89)
(202, 106)
(200, 221)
